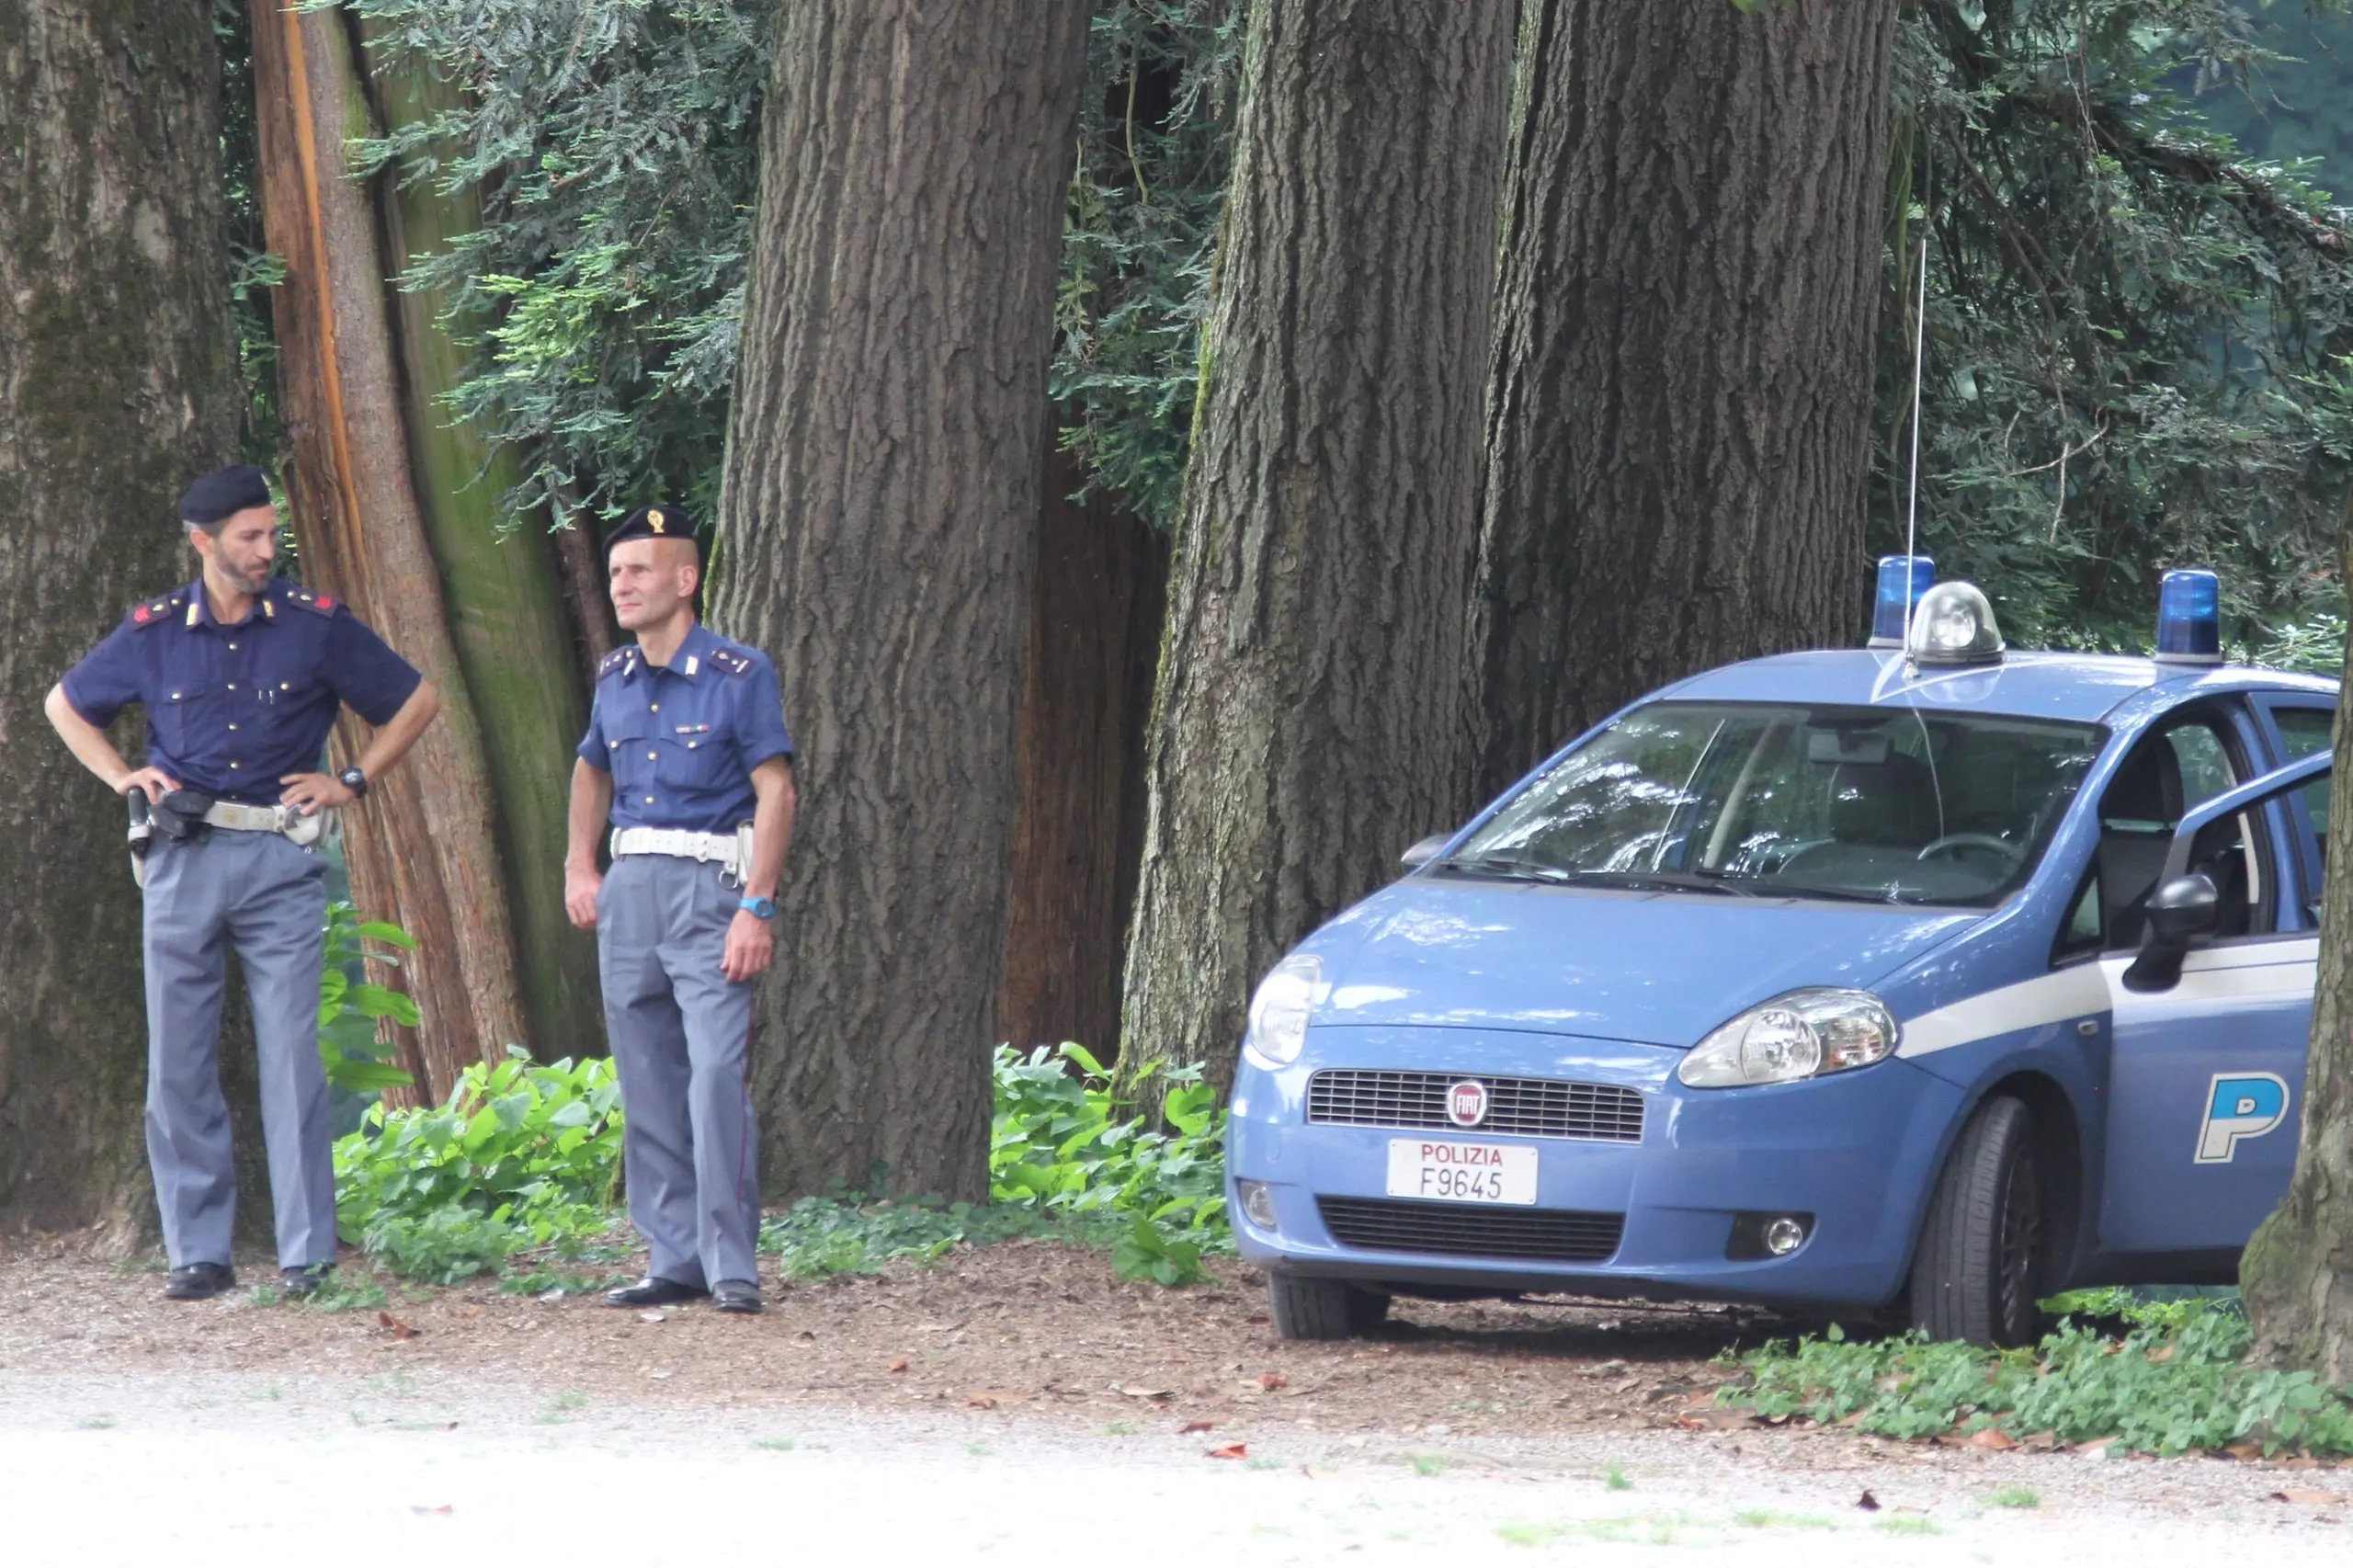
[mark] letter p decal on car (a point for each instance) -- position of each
(2239, 1105)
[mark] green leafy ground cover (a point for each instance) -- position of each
(2173, 1381)
(518, 1175)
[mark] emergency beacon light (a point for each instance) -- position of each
(2189, 618)
(1902, 580)
(1953, 624)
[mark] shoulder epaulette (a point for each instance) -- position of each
(155, 612)
(728, 659)
(324, 604)
(618, 659)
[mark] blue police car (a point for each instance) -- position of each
(1924, 980)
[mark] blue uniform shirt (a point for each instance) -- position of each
(681, 740)
(231, 710)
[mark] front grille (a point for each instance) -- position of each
(1525, 1107)
(1465, 1230)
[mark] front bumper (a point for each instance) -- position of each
(1856, 1151)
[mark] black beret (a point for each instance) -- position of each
(653, 522)
(217, 496)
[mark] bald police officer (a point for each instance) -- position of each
(241, 675)
(688, 758)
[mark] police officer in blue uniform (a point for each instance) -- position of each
(687, 759)
(241, 675)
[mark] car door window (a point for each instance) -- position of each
(2182, 765)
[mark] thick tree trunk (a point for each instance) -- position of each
(878, 511)
(1097, 601)
(421, 849)
(1678, 418)
(1309, 717)
(118, 384)
(507, 616)
(2297, 1275)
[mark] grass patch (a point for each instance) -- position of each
(2174, 1380)
(2015, 1497)
(1427, 1464)
(1908, 1524)
(777, 1445)
(1766, 1519)
(560, 1408)
(1617, 1479)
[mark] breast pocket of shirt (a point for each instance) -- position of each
(631, 747)
(180, 714)
(697, 756)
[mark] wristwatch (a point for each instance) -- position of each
(354, 780)
(761, 908)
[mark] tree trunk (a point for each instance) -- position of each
(117, 385)
(1095, 616)
(507, 617)
(2297, 1275)
(1678, 418)
(421, 850)
(1310, 716)
(878, 511)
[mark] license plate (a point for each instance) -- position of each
(1455, 1172)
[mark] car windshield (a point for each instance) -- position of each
(1904, 807)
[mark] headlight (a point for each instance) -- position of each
(1800, 1034)
(1278, 1011)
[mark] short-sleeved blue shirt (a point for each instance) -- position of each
(231, 710)
(681, 738)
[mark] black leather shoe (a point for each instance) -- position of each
(299, 1284)
(654, 1291)
(199, 1281)
(735, 1296)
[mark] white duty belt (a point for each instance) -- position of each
(302, 827)
(731, 852)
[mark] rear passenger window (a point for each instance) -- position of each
(2304, 731)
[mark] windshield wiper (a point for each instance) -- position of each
(1668, 882)
(1507, 867)
(1843, 895)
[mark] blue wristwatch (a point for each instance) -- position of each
(761, 908)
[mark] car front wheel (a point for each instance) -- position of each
(1305, 1308)
(1976, 1275)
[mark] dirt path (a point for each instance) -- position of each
(924, 1406)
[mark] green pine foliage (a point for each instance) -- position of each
(2136, 338)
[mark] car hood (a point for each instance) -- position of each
(1659, 969)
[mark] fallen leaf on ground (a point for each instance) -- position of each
(1190, 1426)
(900, 1365)
(2100, 1445)
(1272, 1381)
(1231, 1451)
(2305, 1494)
(651, 1317)
(1142, 1393)
(1713, 1420)
(1867, 1503)
(2243, 1450)
(988, 1399)
(1990, 1438)
(399, 1329)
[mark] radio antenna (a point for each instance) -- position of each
(1911, 508)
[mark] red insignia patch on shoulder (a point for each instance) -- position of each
(326, 601)
(143, 615)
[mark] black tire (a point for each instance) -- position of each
(1978, 1272)
(1305, 1308)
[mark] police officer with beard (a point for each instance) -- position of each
(241, 675)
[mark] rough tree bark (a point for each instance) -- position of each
(879, 509)
(421, 850)
(118, 384)
(1679, 413)
(507, 616)
(1309, 715)
(1097, 601)
(2297, 1275)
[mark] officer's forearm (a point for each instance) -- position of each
(771, 825)
(85, 740)
(396, 734)
(585, 820)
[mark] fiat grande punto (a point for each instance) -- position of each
(1917, 981)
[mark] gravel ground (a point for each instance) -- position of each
(1015, 1400)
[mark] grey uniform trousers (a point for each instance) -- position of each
(260, 895)
(681, 1038)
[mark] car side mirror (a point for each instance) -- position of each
(1423, 851)
(2179, 913)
